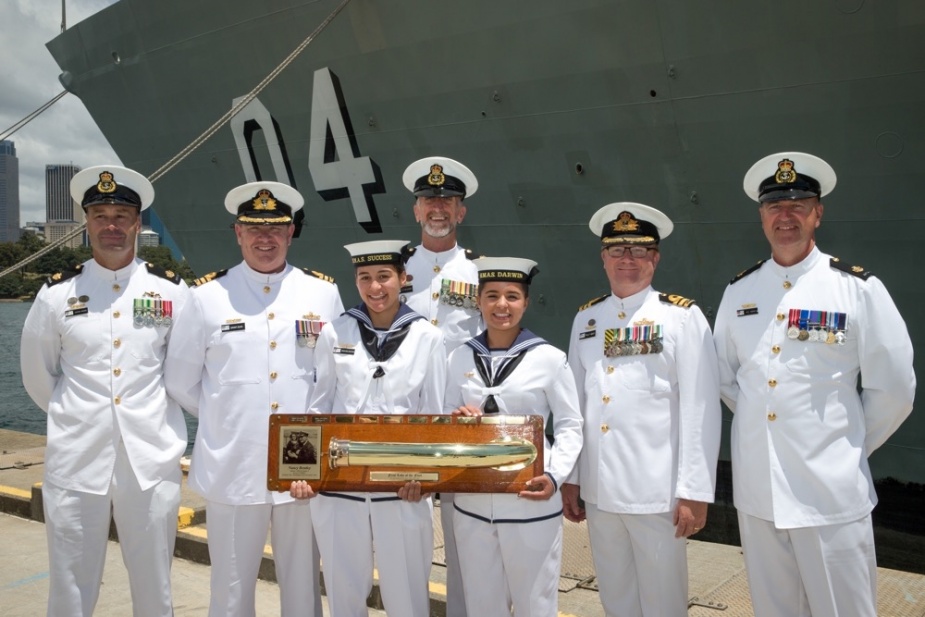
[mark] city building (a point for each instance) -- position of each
(63, 215)
(9, 192)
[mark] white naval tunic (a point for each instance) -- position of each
(100, 378)
(411, 381)
(652, 421)
(237, 359)
(651, 437)
(114, 437)
(427, 271)
(511, 547)
(801, 433)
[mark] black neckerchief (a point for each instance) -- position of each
(394, 335)
(515, 354)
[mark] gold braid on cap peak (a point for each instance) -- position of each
(260, 221)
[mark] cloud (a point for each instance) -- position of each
(28, 79)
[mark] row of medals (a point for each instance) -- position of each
(803, 326)
(457, 293)
(150, 312)
(307, 331)
(633, 341)
(816, 335)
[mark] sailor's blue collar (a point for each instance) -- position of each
(404, 316)
(525, 340)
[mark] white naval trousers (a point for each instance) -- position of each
(237, 536)
(641, 567)
(77, 528)
(403, 534)
(455, 596)
(505, 564)
(827, 571)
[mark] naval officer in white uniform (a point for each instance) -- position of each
(380, 357)
(442, 284)
(245, 350)
(93, 347)
(645, 367)
(510, 546)
(793, 334)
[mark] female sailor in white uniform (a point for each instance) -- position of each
(510, 545)
(379, 357)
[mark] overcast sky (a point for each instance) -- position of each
(28, 79)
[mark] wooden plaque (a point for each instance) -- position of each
(380, 453)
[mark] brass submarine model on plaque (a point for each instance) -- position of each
(380, 453)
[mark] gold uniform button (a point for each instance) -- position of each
(780, 317)
(271, 315)
(604, 428)
(776, 349)
(118, 400)
(273, 375)
(772, 382)
(605, 398)
(116, 287)
(116, 371)
(435, 295)
(772, 416)
(272, 344)
(787, 284)
(275, 405)
(266, 289)
(434, 321)
(436, 268)
(609, 370)
(116, 315)
(117, 343)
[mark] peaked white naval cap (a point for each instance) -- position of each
(438, 176)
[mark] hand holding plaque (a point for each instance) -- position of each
(484, 454)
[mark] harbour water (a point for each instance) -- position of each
(17, 411)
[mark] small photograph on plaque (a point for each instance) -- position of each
(299, 452)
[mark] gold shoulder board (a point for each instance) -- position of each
(318, 275)
(211, 276)
(593, 302)
(676, 300)
(857, 271)
(746, 272)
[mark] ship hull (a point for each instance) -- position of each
(557, 107)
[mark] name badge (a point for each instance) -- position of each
(345, 351)
(584, 335)
(77, 311)
(232, 327)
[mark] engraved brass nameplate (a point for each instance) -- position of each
(342, 452)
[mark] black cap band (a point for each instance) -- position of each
(121, 195)
(438, 184)
(508, 276)
(801, 187)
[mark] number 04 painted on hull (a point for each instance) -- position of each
(334, 160)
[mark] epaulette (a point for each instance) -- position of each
(170, 275)
(211, 276)
(676, 300)
(857, 271)
(746, 272)
(318, 275)
(60, 277)
(593, 302)
(470, 254)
